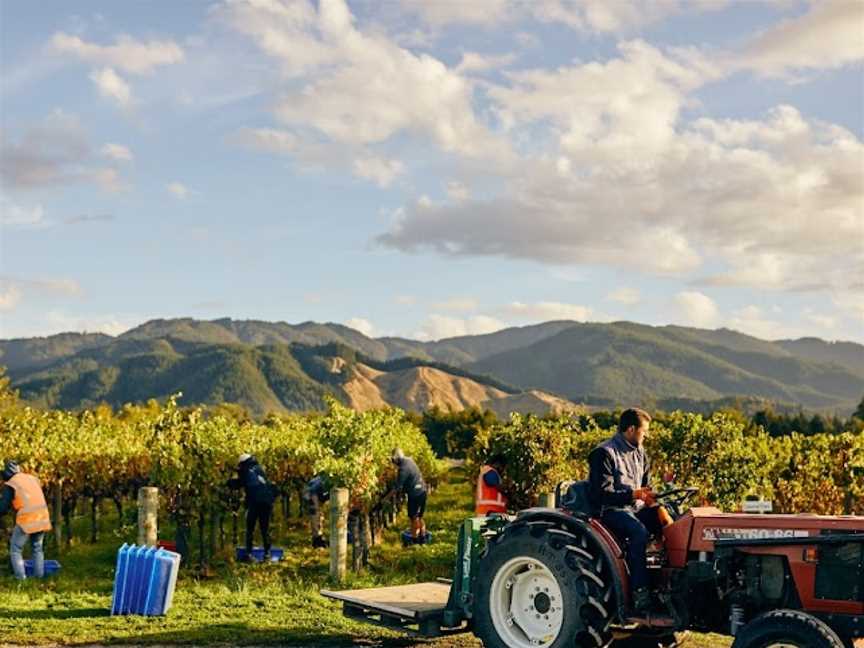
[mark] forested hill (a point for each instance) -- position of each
(274, 366)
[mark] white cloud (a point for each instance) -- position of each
(127, 54)
(753, 321)
(830, 35)
(821, 320)
(116, 152)
(629, 103)
(546, 311)
(362, 325)
(112, 86)
(554, 230)
(476, 62)
(485, 13)
(311, 154)
(82, 219)
(590, 16)
(850, 301)
(740, 193)
(604, 16)
(568, 274)
(458, 304)
(269, 140)
(626, 296)
(65, 287)
(109, 179)
(696, 309)
(14, 290)
(178, 190)
(358, 88)
(381, 171)
(438, 327)
(53, 152)
(457, 191)
(13, 214)
(10, 296)
(61, 322)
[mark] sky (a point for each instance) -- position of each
(432, 168)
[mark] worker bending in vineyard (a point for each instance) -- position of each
(489, 498)
(315, 494)
(23, 493)
(410, 481)
(619, 483)
(260, 495)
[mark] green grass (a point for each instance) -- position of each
(237, 604)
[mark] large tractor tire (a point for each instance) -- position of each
(541, 586)
(786, 629)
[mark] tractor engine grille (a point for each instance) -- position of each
(840, 572)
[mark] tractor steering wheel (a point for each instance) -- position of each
(674, 499)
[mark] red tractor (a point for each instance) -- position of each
(557, 577)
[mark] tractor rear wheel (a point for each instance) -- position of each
(541, 586)
(786, 629)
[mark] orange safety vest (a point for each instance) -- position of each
(489, 499)
(29, 504)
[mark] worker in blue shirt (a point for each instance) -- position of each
(410, 481)
(260, 496)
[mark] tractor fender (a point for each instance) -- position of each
(599, 537)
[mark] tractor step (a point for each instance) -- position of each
(416, 609)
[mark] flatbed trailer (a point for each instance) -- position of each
(430, 609)
(417, 609)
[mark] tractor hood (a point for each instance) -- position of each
(697, 529)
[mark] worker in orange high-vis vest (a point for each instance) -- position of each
(489, 498)
(23, 493)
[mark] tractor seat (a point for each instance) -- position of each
(574, 496)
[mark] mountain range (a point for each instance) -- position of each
(275, 366)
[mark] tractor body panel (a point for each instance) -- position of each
(709, 525)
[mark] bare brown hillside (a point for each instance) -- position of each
(420, 388)
(530, 402)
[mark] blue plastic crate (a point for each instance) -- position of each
(121, 572)
(163, 581)
(409, 539)
(144, 580)
(276, 554)
(51, 568)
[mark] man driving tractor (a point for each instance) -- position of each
(619, 482)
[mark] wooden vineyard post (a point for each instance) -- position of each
(58, 514)
(547, 500)
(338, 533)
(148, 515)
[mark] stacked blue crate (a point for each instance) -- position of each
(144, 580)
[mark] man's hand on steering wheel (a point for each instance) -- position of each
(674, 499)
(646, 495)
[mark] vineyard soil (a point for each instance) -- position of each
(235, 604)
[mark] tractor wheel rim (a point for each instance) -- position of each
(526, 605)
(782, 644)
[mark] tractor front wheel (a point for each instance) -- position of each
(786, 629)
(541, 586)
